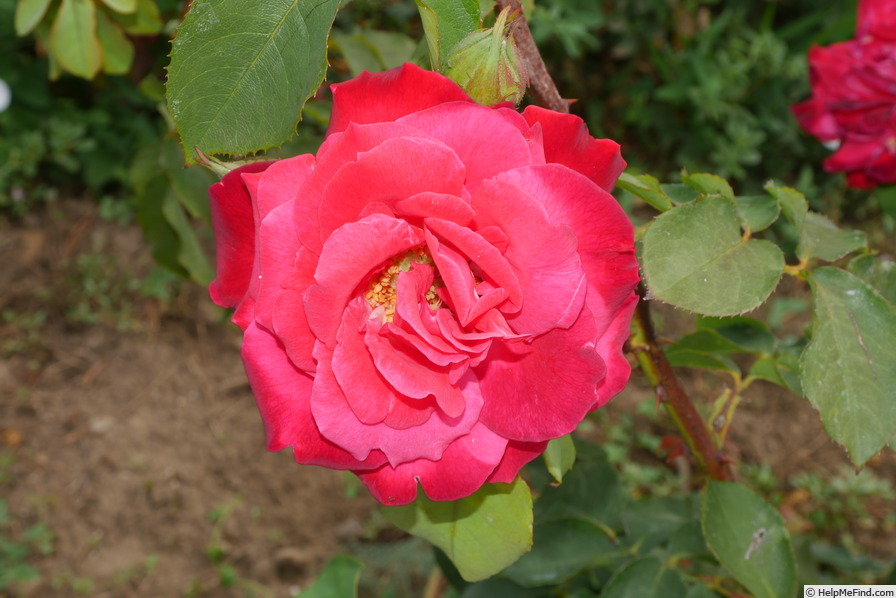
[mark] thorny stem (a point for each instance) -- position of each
(541, 84)
(669, 392)
(643, 342)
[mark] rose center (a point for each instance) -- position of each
(383, 288)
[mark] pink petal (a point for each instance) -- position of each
(436, 205)
(395, 170)
(382, 97)
(483, 139)
(428, 440)
(606, 249)
(411, 375)
(543, 256)
(516, 455)
(463, 468)
(543, 389)
(337, 150)
(349, 256)
(480, 252)
(276, 247)
(283, 395)
(567, 142)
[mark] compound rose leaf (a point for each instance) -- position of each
(646, 577)
(750, 539)
(481, 534)
(696, 258)
(339, 579)
(847, 369)
(241, 71)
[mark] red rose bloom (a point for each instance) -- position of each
(854, 105)
(877, 18)
(440, 291)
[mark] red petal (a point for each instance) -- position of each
(387, 96)
(465, 465)
(541, 390)
(234, 226)
(567, 142)
(283, 394)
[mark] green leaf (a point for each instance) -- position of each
(559, 456)
(847, 368)
(757, 212)
(750, 539)
(339, 579)
(650, 522)
(481, 534)
(122, 6)
(793, 204)
(145, 20)
(709, 184)
(689, 358)
(680, 193)
(747, 334)
(822, 239)
(591, 491)
(73, 38)
(446, 22)
(373, 50)
(647, 188)
(879, 273)
(695, 257)
(645, 578)
(190, 254)
(497, 587)
(28, 14)
(118, 52)
(190, 185)
(563, 548)
(242, 70)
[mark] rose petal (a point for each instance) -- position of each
(234, 226)
(387, 96)
(543, 389)
(428, 440)
(283, 394)
(483, 139)
(516, 455)
(394, 170)
(543, 255)
(567, 142)
(464, 467)
(349, 256)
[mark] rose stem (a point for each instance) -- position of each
(659, 373)
(643, 342)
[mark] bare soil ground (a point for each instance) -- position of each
(135, 437)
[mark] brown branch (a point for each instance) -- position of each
(658, 370)
(541, 85)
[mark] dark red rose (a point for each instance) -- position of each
(853, 106)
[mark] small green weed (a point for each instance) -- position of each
(16, 552)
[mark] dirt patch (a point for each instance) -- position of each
(142, 451)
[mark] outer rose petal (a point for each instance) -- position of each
(465, 465)
(234, 226)
(516, 455)
(567, 142)
(877, 18)
(283, 394)
(606, 248)
(382, 97)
